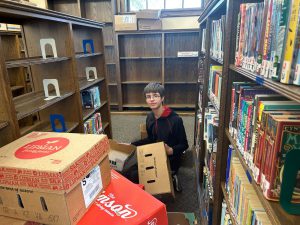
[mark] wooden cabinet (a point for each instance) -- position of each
(100, 11)
(153, 57)
(29, 110)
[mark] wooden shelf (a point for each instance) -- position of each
(113, 103)
(83, 83)
(10, 32)
(230, 211)
(109, 46)
(82, 55)
(30, 103)
(46, 127)
(210, 9)
(33, 61)
(3, 124)
(176, 57)
(138, 58)
(220, 61)
(180, 82)
(138, 82)
(110, 64)
(89, 112)
(188, 106)
(276, 213)
(112, 84)
(135, 105)
(15, 88)
(290, 91)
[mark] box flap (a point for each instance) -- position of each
(180, 218)
(153, 168)
(121, 147)
(54, 161)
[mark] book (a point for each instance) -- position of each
(289, 48)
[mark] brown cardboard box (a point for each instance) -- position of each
(154, 169)
(3, 26)
(118, 154)
(147, 24)
(125, 22)
(42, 171)
(12, 221)
(143, 131)
(173, 23)
(148, 14)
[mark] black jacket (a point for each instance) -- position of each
(167, 128)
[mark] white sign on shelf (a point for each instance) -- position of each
(48, 41)
(87, 73)
(46, 83)
(187, 54)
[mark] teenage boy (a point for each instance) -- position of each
(165, 125)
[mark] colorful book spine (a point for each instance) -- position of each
(290, 43)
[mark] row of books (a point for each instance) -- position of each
(214, 84)
(225, 216)
(244, 202)
(217, 38)
(206, 199)
(93, 125)
(268, 39)
(265, 126)
(211, 123)
(91, 98)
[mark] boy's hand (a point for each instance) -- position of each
(169, 150)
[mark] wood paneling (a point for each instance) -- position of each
(181, 69)
(100, 11)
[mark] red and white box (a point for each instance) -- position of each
(52, 178)
(124, 203)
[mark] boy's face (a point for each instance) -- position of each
(154, 100)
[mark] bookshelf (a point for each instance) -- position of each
(231, 73)
(151, 56)
(100, 11)
(21, 60)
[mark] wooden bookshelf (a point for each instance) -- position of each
(275, 212)
(230, 73)
(23, 107)
(151, 56)
(89, 112)
(229, 207)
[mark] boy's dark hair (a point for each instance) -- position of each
(154, 87)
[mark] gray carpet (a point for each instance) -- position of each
(125, 129)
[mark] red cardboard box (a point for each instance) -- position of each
(124, 203)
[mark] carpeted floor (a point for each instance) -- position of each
(125, 129)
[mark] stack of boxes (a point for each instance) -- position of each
(143, 20)
(65, 179)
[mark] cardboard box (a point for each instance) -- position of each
(179, 218)
(118, 154)
(147, 24)
(148, 14)
(173, 23)
(12, 221)
(143, 130)
(125, 22)
(154, 169)
(3, 26)
(124, 203)
(43, 170)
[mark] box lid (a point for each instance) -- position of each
(51, 161)
(117, 205)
